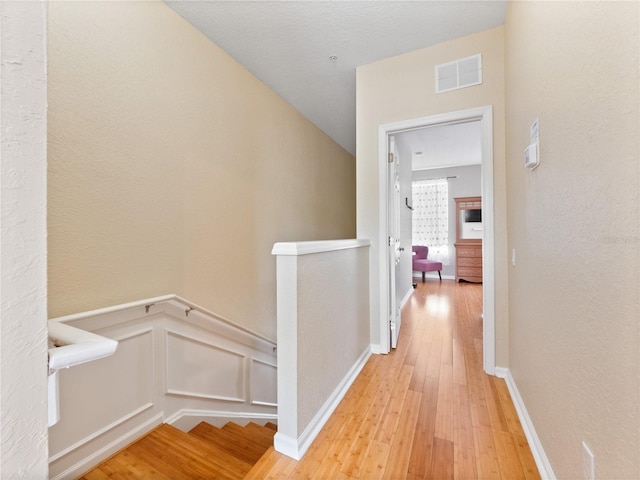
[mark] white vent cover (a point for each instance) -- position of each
(462, 73)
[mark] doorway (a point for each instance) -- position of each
(485, 116)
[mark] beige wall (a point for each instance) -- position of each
(401, 88)
(573, 295)
(173, 170)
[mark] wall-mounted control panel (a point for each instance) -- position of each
(532, 152)
(531, 158)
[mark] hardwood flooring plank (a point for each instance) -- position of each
(376, 461)
(358, 450)
(420, 368)
(486, 457)
(508, 408)
(508, 459)
(459, 364)
(400, 453)
(433, 366)
(444, 416)
(527, 461)
(389, 424)
(421, 450)
(464, 450)
(442, 460)
(494, 406)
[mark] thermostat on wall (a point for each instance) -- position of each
(531, 158)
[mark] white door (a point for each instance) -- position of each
(393, 222)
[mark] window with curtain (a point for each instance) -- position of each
(430, 217)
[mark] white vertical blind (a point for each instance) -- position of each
(431, 217)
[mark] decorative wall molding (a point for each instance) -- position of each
(320, 246)
(188, 350)
(176, 362)
(539, 455)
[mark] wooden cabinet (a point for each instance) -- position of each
(469, 239)
(469, 262)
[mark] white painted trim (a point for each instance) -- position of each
(296, 448)
(305, 248)
(434, 276)
(488, 245)
(539, 455)
(167, 358)
(119, 443)
(406, 297)
(111, 426)
(159, 301)
(77, 346)
(287, 445)
(485, 115)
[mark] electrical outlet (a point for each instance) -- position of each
(588, 463)
(513, 257)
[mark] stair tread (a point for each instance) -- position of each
(249, 434)
(178, 449)
(272, 426)
(229, 441)
(168, 453)
(264, 432)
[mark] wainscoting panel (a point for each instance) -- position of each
(189, 370)
(100, 383)
(263, 376)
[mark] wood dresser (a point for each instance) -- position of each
(468, 245)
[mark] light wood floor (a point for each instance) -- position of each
(427, 410)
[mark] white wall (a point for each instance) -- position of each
(467, 184)
(23, 249)
(575, 225)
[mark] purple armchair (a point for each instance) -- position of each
(422, 264)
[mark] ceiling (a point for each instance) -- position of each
(289, 44)
(442, 146)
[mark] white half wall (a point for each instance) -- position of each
(323, 333)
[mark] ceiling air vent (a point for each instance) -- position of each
(462, 73)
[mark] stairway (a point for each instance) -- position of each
(206, 452)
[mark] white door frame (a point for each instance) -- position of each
(485, 115)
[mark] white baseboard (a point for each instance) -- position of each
(434, 276)
(406, 297)
(296, 448)
(118, 444)
(540, 457)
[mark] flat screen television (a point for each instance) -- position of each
(473, 216)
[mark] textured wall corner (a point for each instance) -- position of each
(574, 221)
(23, 313)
